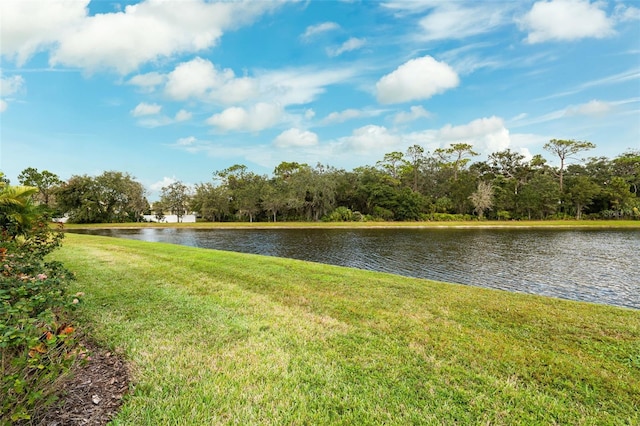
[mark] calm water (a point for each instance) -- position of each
(589, 265)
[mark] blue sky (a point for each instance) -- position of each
(177, 89)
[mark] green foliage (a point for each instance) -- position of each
(503, 215)
(380, 213)
(447, 217)
(565, 150)
(110, 197)
(581, 191)
(45, 181)
(400, 187)
(340, 214)
(17, 210)
(175, 199)
(35, 343)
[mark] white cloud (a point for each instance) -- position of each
(471, 57)
(236, 90)
(11, 85)
(415, 112)
(451, 20)
(258, 117)
(193, 145)
(154, 121)
(591, 108)
(566, 20)
(166, 181)
(487, 134)
(309, 114)
(25, 29)
(352, 44)
(190, 140)
(183, 115)
(370, 139)
(624, 13)
(192, 79)
(521, 141)
(350, 114)
(200, 79)
(416, 79)
(301, 85)
(143, 109)
(147, 82)
(121, 41)
(631, 74)
(402, 6)
(342, 116)
(313, 30)
(519, 117)
(296, 138)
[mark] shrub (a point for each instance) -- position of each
(447, 217)
(380, 213)
(503, 215)
(35, 341)
(340, 214)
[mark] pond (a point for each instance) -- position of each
(601, 266)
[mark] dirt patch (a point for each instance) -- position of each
(92, 394)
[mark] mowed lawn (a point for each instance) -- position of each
(224, 338)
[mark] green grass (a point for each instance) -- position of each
(465, 224)
(226, 338)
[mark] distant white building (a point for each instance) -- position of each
(62, 219)
(171, 218)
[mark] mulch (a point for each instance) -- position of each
(92, 394)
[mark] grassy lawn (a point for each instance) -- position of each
(226, 338)
(466, 224)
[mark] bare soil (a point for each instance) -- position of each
(92, 394)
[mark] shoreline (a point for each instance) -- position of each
(571, 224)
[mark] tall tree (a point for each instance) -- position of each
(176, 197)
(392, 163)
(627, 166)
(510, 165)
(320, 193)
(416, 156)
(456, 156)
(248, 193)
(211, 202)
(274, 197)
(540, 196)
(617, 191)
(45, 181)
(244, 188)
(110, 197)
(581, 191)
(122, 197)
(80, 198)
(565, 150)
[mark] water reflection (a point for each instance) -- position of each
(600, 266)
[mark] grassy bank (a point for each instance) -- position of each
(227, 338)
(467, 224)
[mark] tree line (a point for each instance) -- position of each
(403, 186)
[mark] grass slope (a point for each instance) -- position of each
(227, 338)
